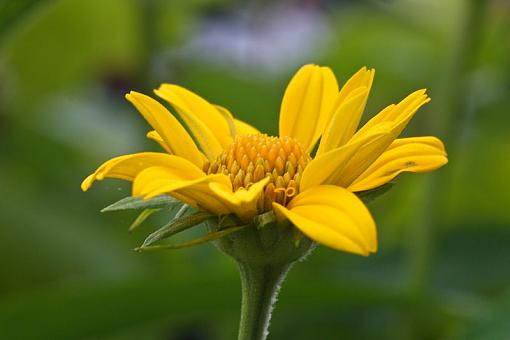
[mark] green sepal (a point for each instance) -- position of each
(130, 202)
(142, 217)
(177, 225)
(204, 239)
(370, 195)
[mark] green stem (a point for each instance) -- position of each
(260, 287)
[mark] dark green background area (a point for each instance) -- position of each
(68, 272)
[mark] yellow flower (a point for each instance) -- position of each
(234, 169)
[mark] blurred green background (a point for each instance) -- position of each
(67, 271)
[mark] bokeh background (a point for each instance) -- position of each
(68, 272)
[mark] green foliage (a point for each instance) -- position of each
(141, 218)
(130, 202)
(212, 236)
(177, 225)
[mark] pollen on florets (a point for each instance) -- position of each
(250, 158)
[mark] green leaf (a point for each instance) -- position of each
(207, 238)
(180, 213)
(131, 202)
(176, 226)
(370, 195)
(142, 217)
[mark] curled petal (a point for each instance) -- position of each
(334, 217)
(129, 166)
(398, 115)
(416, 154)
(330, 167)
(394, 117)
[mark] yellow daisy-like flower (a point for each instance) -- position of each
(229, 167)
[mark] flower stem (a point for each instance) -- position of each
(260, 287)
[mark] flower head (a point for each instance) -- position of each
(228, 167)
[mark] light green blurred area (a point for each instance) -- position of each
(67, 271)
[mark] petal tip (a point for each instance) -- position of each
(132, 96)
(159, 91)
(87, 183)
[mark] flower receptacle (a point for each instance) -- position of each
(265, 241)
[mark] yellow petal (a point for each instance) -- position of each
(329, 167)
(399, 115)
(334, 217)
(242, 202)
(184, 182)
(394, 116)
(176, 138)
(128, 167)
(154, 135)
(184, 199)
(205, 199)
(363, 78)
(307, 103)
(347, 110)
(244, 128)
(237, 127)
(225, 113)
(365, 155)
(416, 154)
(158, 180)
(209, 127)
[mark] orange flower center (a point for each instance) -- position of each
(250, 158)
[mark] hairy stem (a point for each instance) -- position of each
(260, 287)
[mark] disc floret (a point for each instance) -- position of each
(250, 158)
